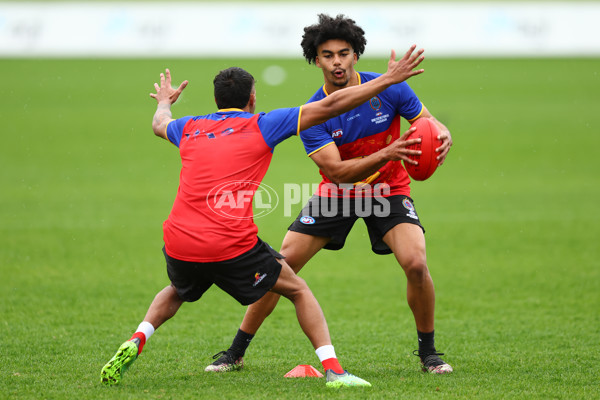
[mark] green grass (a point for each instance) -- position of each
(512, 228)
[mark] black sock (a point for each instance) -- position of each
(426, 342)
(241, 341)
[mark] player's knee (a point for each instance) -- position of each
(293, 263)
(290, 257)
(296, 289)
(285, 248)
(416, 269)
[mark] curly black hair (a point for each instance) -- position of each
(328, 28)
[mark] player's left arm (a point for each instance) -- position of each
(165, 96)
(445, 136)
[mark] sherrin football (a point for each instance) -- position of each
(428, 131)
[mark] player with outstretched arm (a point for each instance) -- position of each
(351, 148)
(204, 247)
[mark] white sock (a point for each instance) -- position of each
(146, 328)
(325, 352)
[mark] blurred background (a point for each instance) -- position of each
(273, 28)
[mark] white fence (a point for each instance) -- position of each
(275, 29)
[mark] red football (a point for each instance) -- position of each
(428, 131)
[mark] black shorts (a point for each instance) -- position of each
(333, 217)
(246, 277)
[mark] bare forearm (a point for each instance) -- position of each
(443, 128)
(341, 101)
(358, 169)
(347, 99)
(349, 171)
(162, 117)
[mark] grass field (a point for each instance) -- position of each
(512, 228)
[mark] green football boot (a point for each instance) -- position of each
(345, 379)
(112, 372)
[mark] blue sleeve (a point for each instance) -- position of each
(315, 138)
(175, 130)
(278, 125)
(408, 106)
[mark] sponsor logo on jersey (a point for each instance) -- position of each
(337, 134)
(227, 132)
(306, 220)
(380, 118)
(258, 278)
(375, 103)
(211, 135)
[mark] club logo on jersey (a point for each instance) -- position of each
(258, 278)
(411, 209)
(306, 220)
(375, 103)
(337, 134)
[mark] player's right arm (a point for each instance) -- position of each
(165, 96)
(346, 99)
(339, 171)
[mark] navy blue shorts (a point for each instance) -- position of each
(333, 217)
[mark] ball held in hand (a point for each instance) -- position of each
(428, 131)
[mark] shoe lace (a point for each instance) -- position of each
(430, 359)
(219, 354)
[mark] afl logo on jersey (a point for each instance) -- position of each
(306, 220)
(375, 103)
(337, 134)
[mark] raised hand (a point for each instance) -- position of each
(404, 68)
(164, 92)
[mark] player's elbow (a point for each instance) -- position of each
(158, 130)
(336, 177)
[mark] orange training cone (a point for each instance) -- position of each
(303, 371)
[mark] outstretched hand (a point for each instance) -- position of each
(404, 68)
(164, 92)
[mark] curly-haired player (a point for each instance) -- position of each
(210, 241)
(354, 147)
